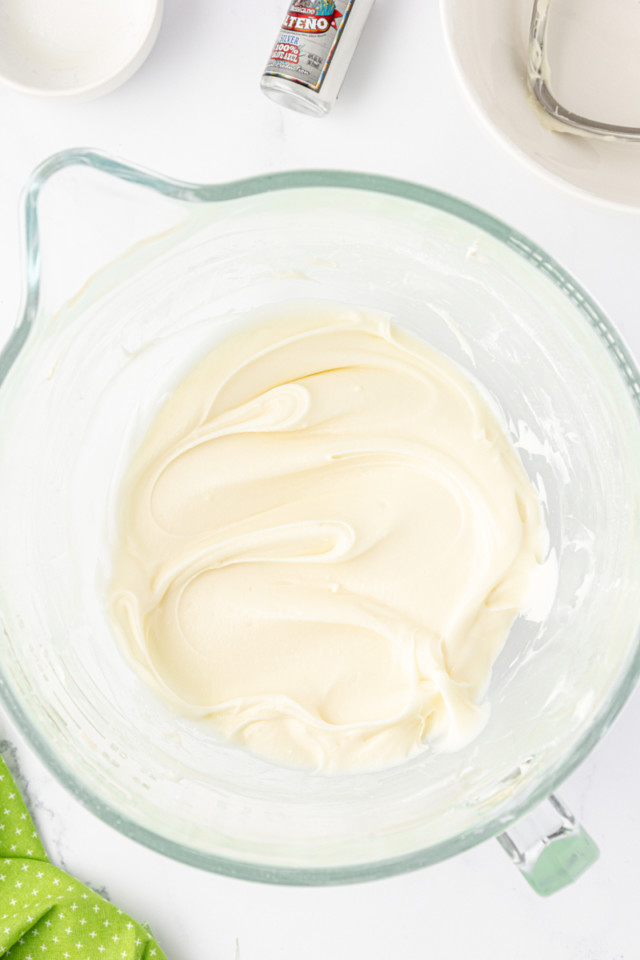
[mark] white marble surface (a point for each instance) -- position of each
(195, 111)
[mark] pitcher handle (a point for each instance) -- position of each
(549, 847)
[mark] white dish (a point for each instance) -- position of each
(74, 49)
(488, 45)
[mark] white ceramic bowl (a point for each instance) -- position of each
(488, 45)
(74, 49)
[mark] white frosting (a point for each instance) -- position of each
(325, 539)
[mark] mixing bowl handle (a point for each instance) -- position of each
(549, 848)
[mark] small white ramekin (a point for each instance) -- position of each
(75, 49)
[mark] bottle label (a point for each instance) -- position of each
(307, 42)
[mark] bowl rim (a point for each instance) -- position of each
(274, 182)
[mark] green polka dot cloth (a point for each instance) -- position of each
(45, 914)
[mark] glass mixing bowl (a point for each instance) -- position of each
(173, 267)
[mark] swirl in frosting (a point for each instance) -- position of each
(325, 538)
